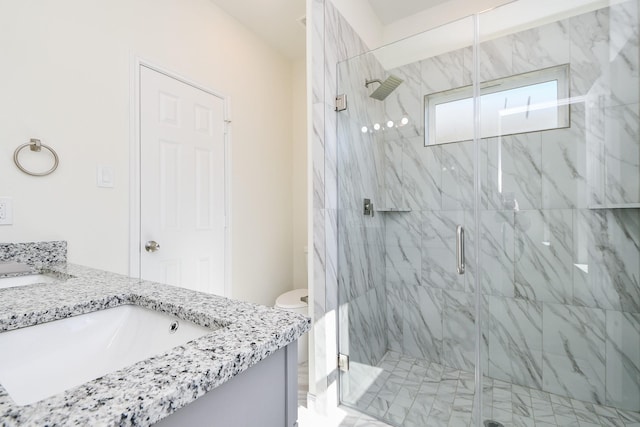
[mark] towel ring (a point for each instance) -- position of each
(35, 145)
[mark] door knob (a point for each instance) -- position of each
(151, 246)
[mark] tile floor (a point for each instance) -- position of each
(341, 417)
(416, 393)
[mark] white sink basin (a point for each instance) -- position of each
(39, 361)
(10, 282)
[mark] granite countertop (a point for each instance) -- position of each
(147, 391)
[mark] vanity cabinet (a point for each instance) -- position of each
(264, 395)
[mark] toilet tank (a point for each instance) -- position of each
(292, 301)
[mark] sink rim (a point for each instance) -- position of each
(132, 298)
(26, 399)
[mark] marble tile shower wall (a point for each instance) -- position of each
(361, 248)
(560, 279)
(333, 40)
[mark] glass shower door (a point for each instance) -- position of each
(549, 318)
(406, 316)
(560, 217)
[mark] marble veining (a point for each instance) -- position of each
(368, 347)
(333, 40)
(574, 352)
(364, 169)
(515, 341)
(622, 154)
(443, 72)
(623, 360)
(393, 194)
(421, 175)
(497, 246)
(438, 250)
(416, 392)
(564, 169)
(422, 330)
(543, 255)
(545, 259)
(609, 243)
(519, 178)
(542, 249)
(458, 341)
(150, 390)
(457, 175)
(406, 102)
(541, 47)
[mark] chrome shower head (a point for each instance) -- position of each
(385, 88)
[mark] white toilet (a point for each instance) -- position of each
(292, 301)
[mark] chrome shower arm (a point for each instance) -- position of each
(368, 82)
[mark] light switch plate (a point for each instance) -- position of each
(104, 177)
(6, 211)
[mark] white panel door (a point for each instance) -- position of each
(182, 184)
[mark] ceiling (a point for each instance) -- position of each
(391, 11)
(277, 21)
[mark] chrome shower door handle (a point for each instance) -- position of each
(460, 249)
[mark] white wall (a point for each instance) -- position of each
(64, 78)
(299, 173)
(363, 19)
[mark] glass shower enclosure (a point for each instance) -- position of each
(489, 220)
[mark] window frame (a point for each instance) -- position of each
(559, 73)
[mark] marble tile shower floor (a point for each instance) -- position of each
(412, 392)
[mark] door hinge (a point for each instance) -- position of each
(343, 362)
(341, 102)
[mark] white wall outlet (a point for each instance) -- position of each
(6, 211)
